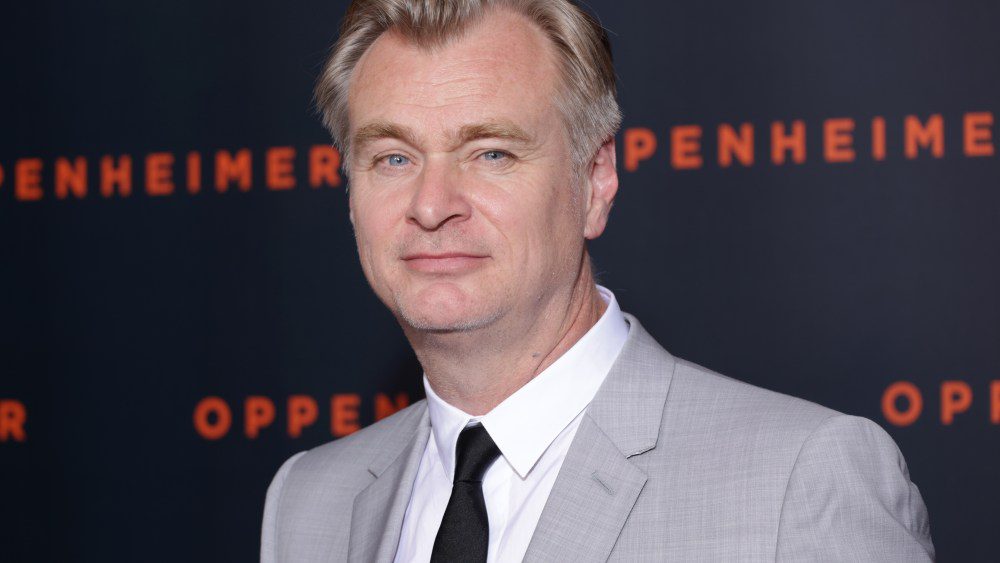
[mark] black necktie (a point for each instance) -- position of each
(464, 535)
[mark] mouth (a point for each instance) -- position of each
(444, 262)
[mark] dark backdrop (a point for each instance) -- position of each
(826, 279)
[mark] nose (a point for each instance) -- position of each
(438, 199)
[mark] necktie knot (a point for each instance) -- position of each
(474, 453)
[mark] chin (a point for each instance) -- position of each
(444, 307)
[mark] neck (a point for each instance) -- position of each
(476, 371)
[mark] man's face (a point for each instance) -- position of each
(463, 195)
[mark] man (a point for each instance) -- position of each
(479, 141)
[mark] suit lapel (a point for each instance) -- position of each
(588, 505)
(377, 518)
(598, 485)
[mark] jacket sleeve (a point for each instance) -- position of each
(269, 527)
(849, 498)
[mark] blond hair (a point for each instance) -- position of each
(587, 98)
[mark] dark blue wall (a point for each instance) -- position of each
(826, 280)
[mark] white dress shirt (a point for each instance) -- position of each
(533, 429)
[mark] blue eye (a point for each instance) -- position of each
(397, 160)
(494, 155)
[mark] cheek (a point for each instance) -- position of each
(561, 230)
(537, 219)
(536, 231)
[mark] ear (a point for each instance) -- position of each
(602, 180)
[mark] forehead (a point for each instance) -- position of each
(500, 68)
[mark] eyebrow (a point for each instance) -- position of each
(493, 130)
(383, 130)
(489, 130)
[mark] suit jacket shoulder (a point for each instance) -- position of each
(354, 453)
(307, 513)
(743, 473)
(745, 423)
(850, 477)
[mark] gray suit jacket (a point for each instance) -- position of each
(671, 462)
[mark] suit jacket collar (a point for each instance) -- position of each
(629, 406)
(597, 485)
(414, 428)
(377, 517)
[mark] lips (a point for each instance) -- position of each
(444, 262)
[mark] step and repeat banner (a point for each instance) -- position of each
(810, 202)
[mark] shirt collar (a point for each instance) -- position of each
(525, 424)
